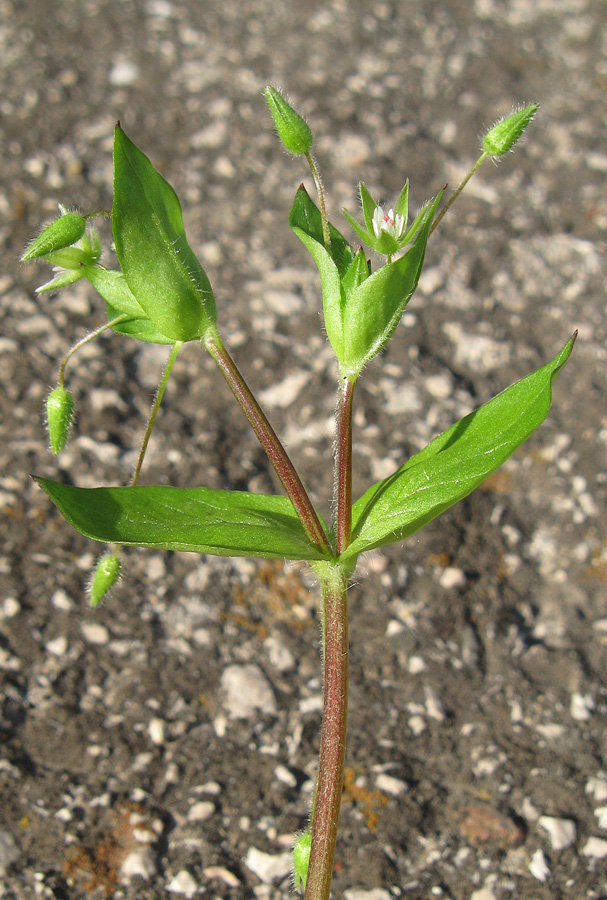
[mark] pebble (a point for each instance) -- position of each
(417, 725)
(201, 811)
(390, 785)
(139, 863)
(95, 633)
(581, 706)
(267, 867)
(434, 707)
(362, 894)
(9, 852)
(157, 731)
(183, 883)
(597, 786)
(285, 776)
(283, 394)
(601, 814)
(539, 867)
(484, 894)
(123, 73)
(58, 646)
(562, 832)
(451, 578)
(280, 656)
(10, 608)
(221, 874)
(595, 847)
(247, 692)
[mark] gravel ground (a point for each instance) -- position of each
(165, 744)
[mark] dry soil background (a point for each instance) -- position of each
(165, 744)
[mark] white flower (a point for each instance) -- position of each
(391, 224)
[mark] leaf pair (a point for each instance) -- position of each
(361, 311)
(230, 523)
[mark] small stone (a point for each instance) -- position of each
(434, 707)
(139, 863)
(416, 665)
(417, 725)
(157, 731)
(95, 633)
(539, 867)
(280, 656)
(483, 826)
(596, 848)
(247, 692)
(451, 578)
(123, 73)
(10, 607)
(390, 785)
(183, 883)
(267, 867)
(285, 776)
(562, 832)
(9, 852)
(597, 786)
(484, 894)
(58, 646)
(601, 814)
(221, 874)
(201, 811)
(581, 706)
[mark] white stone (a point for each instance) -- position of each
(247, 692)
(484, 894)
(10, 607)
(390, 785)
(597, 786)
(95, 633)
(416, 665)
(285, 776)
(434, 707)
(417, 725)
(201, 811)
(285, 392)
(123, 73)
(221, 874)
(539, 867)
(267, 867)
(280, 656)
(581, 706)
(562, 832)
(451, 578)
(58, 646)
(595, 847)
(9, 852)
(139, 863)
(157, 731)
(311, 704)
(183, 883)
(601, 814)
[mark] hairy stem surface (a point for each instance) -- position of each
(268, 439)
(343, 465)
(333, 738)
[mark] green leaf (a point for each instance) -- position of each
(159, 265)
(222, 523)
(401, 207)
(368, 206)
(454, 463)
(119, 300)
(373, 311)
(305, 217)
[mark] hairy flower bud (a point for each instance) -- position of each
(63, 232)
(59, 411)
(107, 573)
(505, 133)
(292, 130)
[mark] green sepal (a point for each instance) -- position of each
(159, 265)
(111, 285)
(59, 413)
(106, 574)
(372, 311)
(301, 860)
(199, 520)
(505, 133)
(63, 232)
(63, 278)
(452, 465)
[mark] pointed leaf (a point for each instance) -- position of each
(119, 300)
(305, 216)
(358, 272)
(401, 207)
(454, 463)
(368, 206)
(159, 265)
(222, 523)
(374, 309)
(367, 237)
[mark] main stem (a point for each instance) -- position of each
(268, 439)
(329, 784)
(343, 465)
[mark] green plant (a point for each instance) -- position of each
(161, 294)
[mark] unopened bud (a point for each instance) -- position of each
(292, 130)
(63, 232)
(301, 860)
(105, 576)
(59, 411)
(505, 133)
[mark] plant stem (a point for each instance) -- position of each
(321, 201)
(268, 439)
(329, 783)
(154, 411)
(343, 465)
(85, 340)
(458, 191)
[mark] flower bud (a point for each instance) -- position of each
(59, 411)
(505, 133)
(106, 574)
(63, 232)
(301, 860)
(292, 130)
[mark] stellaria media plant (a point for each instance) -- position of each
(161, 294)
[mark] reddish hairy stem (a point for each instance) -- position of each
(343, 465)
(268, 439)
(329, 784)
